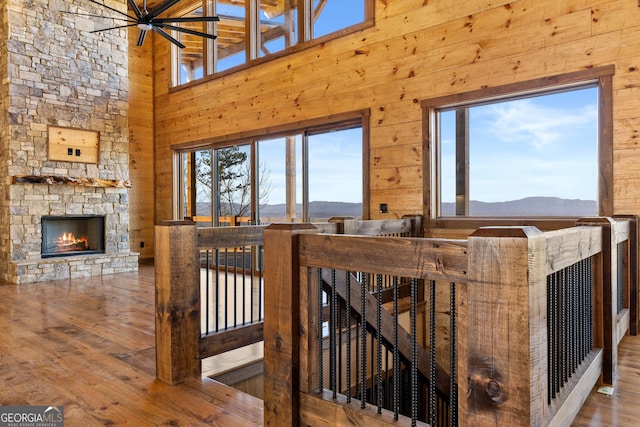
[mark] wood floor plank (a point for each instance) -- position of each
(89, 344)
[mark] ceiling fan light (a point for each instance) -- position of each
(144, 26)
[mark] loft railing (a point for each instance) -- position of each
(377, 360)
(507, 319)
(506, 347)
(217, 271)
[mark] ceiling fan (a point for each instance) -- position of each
(149, 21)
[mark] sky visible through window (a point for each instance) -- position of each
(334, 16)
(335, 167)
(541, 146)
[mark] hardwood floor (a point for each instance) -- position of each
(88, 344)
(622, 408)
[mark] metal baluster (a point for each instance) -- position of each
(552, 319)
(379, 341)
(235, 287)
(574, 317)
(349, 314)
(244, 284)
(396, 352)
(432, 352)
(251, 284)
(583, 311)
(414, 352)
(217, 279)
(320, 321)
(333, 327)
(260, 281)
(363, 347)
(586, 309)
(453, 357)
(590, 299)
(208, 285)
(226, 288)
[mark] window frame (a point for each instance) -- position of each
(600, 76)
(359, 118)
(252, 49)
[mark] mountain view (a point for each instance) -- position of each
(530, 206)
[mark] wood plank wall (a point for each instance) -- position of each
(418, 49)
(141, 195)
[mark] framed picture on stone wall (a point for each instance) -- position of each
(73, 145)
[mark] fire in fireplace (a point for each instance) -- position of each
(72, 235)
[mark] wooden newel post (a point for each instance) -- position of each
(507, 336)
(177, 302)
(282, 323)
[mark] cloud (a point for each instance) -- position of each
(534, 123)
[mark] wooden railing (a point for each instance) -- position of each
(510, 287)
(216, 272)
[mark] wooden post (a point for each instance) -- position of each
(507, 330)
(633, 271)
(416, 225)
(344, 224)
(608, 297)
(282, 324)
(177, 302)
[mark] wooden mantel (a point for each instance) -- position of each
(65, 180)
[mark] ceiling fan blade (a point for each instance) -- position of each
(189, 19)
(164, 34)
(113, 28)
(135, 8)
(141, 37)
(112, 9)
(161, 8)
(186, 30)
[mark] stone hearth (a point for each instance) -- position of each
(56, 73)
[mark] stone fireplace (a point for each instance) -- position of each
(55, 72)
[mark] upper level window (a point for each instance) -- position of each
(532, 149)
(252, 29)
(191, 57)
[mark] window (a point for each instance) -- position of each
(532, 149)
(309, 174)
(253, 29)
(191, 57)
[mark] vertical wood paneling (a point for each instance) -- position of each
(141, 195)
(417, 50)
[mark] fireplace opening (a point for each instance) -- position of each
(72, 235)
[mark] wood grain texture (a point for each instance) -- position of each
(416, 50)
(177, 302)
(141, 146)
(73, 145)
(431, 259)
(88, 344)
(506, 295)
(282, 323)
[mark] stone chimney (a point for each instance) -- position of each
(54, 72)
